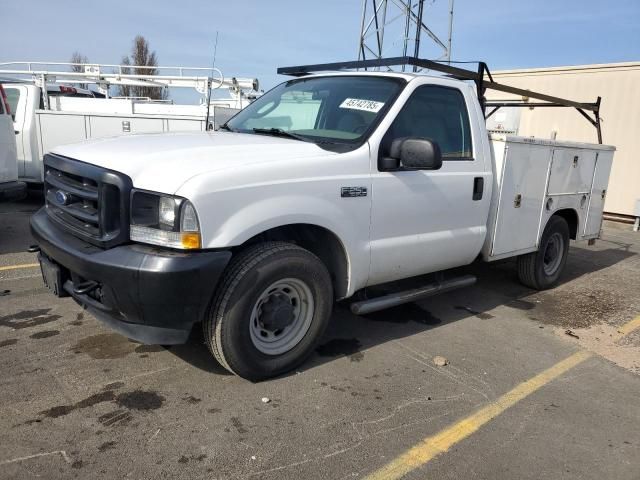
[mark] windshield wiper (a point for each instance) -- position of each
(226, 127)
(278, 132)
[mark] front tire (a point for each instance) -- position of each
(270, 310)
(542, 269)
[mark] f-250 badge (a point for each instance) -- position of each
(353, 192)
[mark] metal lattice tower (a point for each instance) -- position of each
(396, 27)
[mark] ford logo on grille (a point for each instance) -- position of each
(61, 197)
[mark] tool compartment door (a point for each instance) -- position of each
(522, 194)
(598, 192)
(571, 171)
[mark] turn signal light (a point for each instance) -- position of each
(190, 240)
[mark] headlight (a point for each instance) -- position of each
(164, 220)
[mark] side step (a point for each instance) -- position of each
(394, 299)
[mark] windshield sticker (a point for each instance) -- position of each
(358, 104)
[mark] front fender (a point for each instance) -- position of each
(234, 221)
(252, 219)
(237, 204)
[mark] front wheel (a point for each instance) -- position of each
(271, 308)
(542, 269)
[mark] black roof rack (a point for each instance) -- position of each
(482, 78)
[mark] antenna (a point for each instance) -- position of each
(403, 21)
(213, 66)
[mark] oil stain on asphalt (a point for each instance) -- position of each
(117, 417)
(235, 421)
(149, 348)
(61, 410)
(28, 318)
(44, 334)
(192, 400)
(111, 345)
(104, 346)
(106, 446)
(78, 321)
(136, 400)
(140, 400)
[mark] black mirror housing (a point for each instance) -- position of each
(412, 153)
(420, 154)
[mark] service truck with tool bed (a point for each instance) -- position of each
(50, 107)
(326, 186)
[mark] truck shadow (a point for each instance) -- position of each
(350, 335)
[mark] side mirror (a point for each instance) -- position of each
(413, 154)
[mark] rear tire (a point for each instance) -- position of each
(542, 269)
(270, 310)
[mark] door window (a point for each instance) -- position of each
(438, 114)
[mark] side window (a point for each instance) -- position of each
(439, 114)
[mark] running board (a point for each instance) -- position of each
(394, 299)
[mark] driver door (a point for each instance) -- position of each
(429, 220)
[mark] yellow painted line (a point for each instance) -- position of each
(439, 443)
(629, 327)
(16, 267)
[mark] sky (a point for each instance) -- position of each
(256, 37)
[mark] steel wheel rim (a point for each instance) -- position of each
(553, 253)
(279, 341)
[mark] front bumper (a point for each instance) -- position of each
(149, 294)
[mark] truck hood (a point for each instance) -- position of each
(163, 162)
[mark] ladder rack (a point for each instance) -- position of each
(482, 78)
(202, 79)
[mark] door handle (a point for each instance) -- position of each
(16, 132)
(478, 188)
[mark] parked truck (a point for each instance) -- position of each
(10, 187)
(50, 108)
(326, 186)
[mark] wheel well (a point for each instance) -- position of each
(318, 240)
(571, 218)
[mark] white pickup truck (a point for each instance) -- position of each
(323, 187)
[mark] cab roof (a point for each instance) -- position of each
(407, 76)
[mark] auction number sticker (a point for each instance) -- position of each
(359, 104)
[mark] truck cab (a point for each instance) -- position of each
(323, 187)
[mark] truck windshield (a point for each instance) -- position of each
(340, 109)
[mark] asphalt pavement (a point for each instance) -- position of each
(537, 385)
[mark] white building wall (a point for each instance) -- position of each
(619, 86)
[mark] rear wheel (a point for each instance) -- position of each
(542, 269)
(270, 310)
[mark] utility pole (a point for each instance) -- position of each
(396, 28)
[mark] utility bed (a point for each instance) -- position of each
(536, 177)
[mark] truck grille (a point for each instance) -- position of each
(90, 202)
